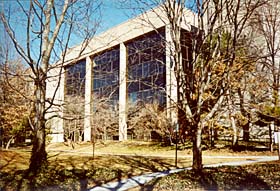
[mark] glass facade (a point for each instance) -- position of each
(146, 68)
(75, 79)
(106, 75)
(186, 48)
(73, 123)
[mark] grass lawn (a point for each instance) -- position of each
(76, 169)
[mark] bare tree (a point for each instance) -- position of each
(213, 39)
(14, 102)
(49, 26)
(149, 120)
(267, 23)
(73, 119)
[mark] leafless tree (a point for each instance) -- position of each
(73, 115)
(46, 28)
(149, 120)
(214, 40)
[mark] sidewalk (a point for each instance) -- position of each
(142, 179)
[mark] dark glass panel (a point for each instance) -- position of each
(148, 54)
(146, 83)
(106, 74)
(133, 97)
(133, 87)
(146, 71)
(75, 79)
(139, 71)
(160, 80)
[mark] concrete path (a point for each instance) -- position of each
(142, 179)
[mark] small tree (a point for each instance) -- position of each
(73, 119)
(148, 119)
(104, 118)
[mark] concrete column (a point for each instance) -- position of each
(171, 82)
(88, 100)
(123, 94)
(55, 89)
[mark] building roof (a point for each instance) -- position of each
(142, 24)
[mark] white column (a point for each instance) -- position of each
(171, 82)
(55, 89)
(88, 100)
(123, 94)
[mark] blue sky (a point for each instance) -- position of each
(113, 12)
(111, 15)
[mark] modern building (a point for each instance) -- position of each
(127, 63)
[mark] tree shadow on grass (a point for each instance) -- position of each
(66, 172)
(224, 178)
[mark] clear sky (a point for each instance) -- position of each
(113, 12)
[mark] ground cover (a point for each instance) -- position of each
(260, 176)
(75, 169)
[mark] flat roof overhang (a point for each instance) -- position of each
(149, 21)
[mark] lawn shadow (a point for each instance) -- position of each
(224, 178)
(67, 172)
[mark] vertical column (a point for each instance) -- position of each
(171, 81)
(123, 94)
(55, 89)
(61, 92)
(88, 99)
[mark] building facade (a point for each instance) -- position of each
(126, 64)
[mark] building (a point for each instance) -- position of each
(127, 63)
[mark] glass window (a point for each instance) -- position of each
(75, 79)
(133, 87)
(106, 75)
(146, 71)
(148, 54)
(133, 97)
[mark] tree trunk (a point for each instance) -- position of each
(270, 127)
(9, 142)
(197, 149)
(246, 133)
(38, 160)
(39, 155)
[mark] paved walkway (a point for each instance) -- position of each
(142, 179)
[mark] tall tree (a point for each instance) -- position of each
(47, 27)
(267, 23)
(214, 38)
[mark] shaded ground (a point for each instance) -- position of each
(77, 170)
(68, 172)
(261, 176)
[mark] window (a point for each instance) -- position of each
(75, 79)
(146, 67)
(106, 75)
